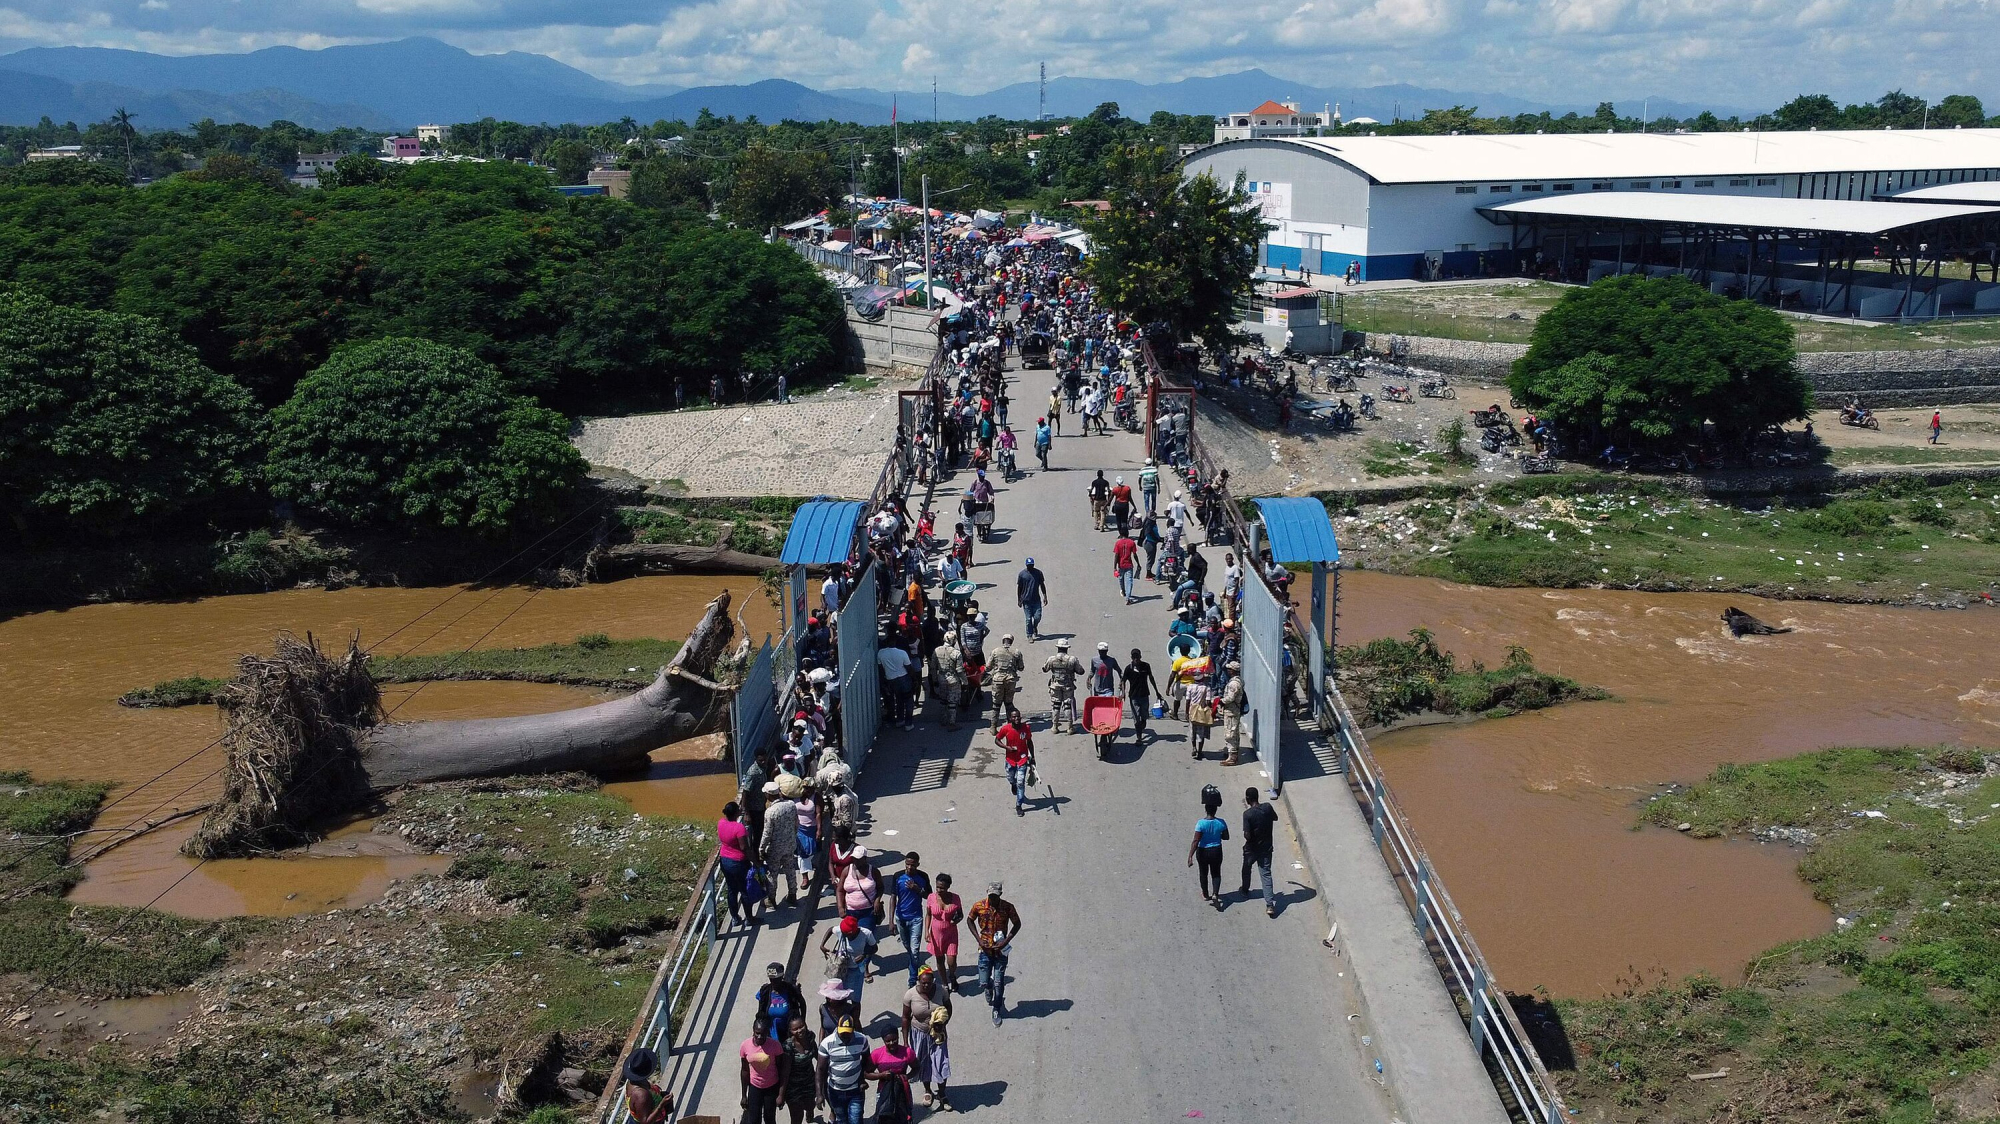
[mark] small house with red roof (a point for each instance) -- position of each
(1275, 119)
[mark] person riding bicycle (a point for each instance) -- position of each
(1062, 670)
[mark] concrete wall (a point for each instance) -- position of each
(1878, 378)
(912, 330)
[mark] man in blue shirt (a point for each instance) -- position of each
(910, 887)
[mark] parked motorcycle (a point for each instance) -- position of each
(1537, 463)
(1368, 406)
(1491, 416)
(1396, 393)
(1436, 388)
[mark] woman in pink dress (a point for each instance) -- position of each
(942, 913)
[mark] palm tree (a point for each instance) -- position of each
(122, 121)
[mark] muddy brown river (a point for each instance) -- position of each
(59, 717)
(1530, 819)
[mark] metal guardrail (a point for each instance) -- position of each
(1497, 1034)
(653, 1028)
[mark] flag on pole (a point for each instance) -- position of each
(892, 110)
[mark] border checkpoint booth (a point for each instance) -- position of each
(1293, 529)
(824, 532)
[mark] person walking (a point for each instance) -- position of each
(1258, 821)
(890, 1066)
(1121, 505)
(1140, 687)
(948, 683)
(732, 849)
(1937, 425)
(779, 849)
(843, 1066)
(1104, 671)
(1003, 674)
(1062, 670)
(762, 1073)
(900, 684)
(908, 888)
(849, 949)
(1031, 593)
(1205, 850)
(943, 911)
(1100, 499)
(995, 923)
(796, 1095)
(1019, 743)
(1044, 441)
(1198, 698)
(859, 890)
(1232, 714)
(1055, 411)
(779, 999)
(1149, 541)
(920, 1007)
(1125, 564)
(1149, 487)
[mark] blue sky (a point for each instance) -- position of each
(1729, 52)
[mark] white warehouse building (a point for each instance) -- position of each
(1584, 204)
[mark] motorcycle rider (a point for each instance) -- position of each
(1062, 670)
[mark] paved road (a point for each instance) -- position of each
(1130, 1000)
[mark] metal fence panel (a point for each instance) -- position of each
(1263, 627)
(860, 696)
(754, 710)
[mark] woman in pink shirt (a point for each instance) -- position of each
(893, 1104)
(732, 846)
(942, 912)
(859, 889)
(763, 1073)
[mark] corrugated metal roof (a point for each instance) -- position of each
(1298, 530)
(1582, 156)
(1985, 191)
(822, 530)
(1837, 216)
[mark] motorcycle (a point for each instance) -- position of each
(1489, 417)
(1436, 388)
(1007, 471)
(1124, 415)
(1341, 417)
(1368, 406)
(1859, 417)
(1497, 438)
(1396, 393)
(1537, 463)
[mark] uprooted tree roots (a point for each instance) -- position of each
(293, 738)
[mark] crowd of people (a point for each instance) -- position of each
(937, 651)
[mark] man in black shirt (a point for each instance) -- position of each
(1140, 687)
(1258, 821)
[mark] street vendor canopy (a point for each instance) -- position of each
(1298, 530)
(822, 531)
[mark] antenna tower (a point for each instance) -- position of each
(1042, 96)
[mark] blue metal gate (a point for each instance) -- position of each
(753, 713)
(860, 692)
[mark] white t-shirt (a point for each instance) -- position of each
(895, 662)
(829, 594)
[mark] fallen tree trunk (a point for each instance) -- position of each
(609, 737)
(663, 558)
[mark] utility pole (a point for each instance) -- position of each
(934, 103)
(929, 282)
(896, 145)
(1042, 99)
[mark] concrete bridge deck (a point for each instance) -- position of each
(1129, 999)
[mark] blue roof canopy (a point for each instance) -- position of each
(821, 533)
(1298, 530)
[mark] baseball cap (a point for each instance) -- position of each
(849, 926)
(1031, 561)
(993, 887)
(1103, 647)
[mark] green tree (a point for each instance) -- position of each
(1174, 250)
(108, 419)
(570, 160)
(405, 431)
(356, 170)
(768, 186)
(1646, 360)
(669, 183)
(1958, 111)
(1808, 111)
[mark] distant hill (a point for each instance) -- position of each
(27, 98)
(411, 81)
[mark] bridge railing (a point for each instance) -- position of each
(682, 966)
(1497, 1034)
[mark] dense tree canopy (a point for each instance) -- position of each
(1648, 360)
(1174, 250)
(413, 433)
(108, 419)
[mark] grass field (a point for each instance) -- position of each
(1891, 1017)
(1505, 312)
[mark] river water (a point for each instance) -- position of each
(1530, 819)
(59, 717)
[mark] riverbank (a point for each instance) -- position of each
(1398, 683)
(1891, 1016)
(526, 958)
(1892, 542)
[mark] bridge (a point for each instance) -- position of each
(1364, 999)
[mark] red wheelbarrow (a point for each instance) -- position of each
(1102, 715)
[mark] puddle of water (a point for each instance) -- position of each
(139, 1023)
(687, 779)
(1529, 818)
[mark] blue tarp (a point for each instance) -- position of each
(1298, 530)
(821, 533)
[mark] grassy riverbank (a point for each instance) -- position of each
(530, 954)
(1390, 679)
(591, 660)
(1895, 542)
(1893, 1016)
(755, 525)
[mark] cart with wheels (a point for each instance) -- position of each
(1102, 715)
(956, 595)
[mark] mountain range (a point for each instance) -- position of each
(396, 85)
